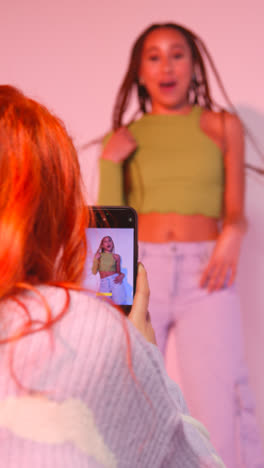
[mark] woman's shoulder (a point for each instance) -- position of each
(222, 126)
(220, 118)
(79, 308)
(138, 122)
(80, 298)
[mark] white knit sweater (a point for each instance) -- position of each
(89, 409)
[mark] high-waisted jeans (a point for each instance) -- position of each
(108, 285)
(213, 374)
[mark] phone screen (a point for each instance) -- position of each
(111, 263)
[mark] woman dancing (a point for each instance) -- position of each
(180, 164)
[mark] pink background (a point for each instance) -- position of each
(71, 55)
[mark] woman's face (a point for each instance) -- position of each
(107, 244)
(166, 70)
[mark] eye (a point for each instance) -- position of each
(153, 58)
(178, 55)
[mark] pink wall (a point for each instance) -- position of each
(71, 54)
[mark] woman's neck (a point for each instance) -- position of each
(182, 109)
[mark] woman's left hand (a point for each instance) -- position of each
(119, 278)
(222, 267)
(139, 314)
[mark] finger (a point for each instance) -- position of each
(121, 130)
(222, 276)
(204, 278)
(206, 274)
(233, 273)
(151, 334)
(142, 285)
(141, 298)
(126, 133)
(129, 137)
(213, 277)
(223, 281)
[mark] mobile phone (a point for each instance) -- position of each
(112, 255)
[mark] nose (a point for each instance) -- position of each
(166, 64)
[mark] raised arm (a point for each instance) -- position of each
(96, 262)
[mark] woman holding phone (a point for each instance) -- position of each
(180, 164)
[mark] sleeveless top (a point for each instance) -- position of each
(176, 168)
(107, 262)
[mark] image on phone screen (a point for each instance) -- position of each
(111, 262)
(109, 267)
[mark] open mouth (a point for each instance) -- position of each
(167, 85)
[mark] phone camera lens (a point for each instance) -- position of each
(130, 219)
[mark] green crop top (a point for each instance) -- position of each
(107, 262)
(176, 168)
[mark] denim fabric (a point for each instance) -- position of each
(209, 346)
(108, 285)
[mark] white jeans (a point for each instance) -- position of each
(108, 285)
(209, 347)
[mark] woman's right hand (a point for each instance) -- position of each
(98, 255)
(139, 314)
(120, 146)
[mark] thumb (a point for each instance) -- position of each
(141, 298)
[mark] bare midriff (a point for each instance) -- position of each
(105, 274)
(174, 227)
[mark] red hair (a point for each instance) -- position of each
(43, 216)
(42, 208)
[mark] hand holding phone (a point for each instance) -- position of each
(139, 314)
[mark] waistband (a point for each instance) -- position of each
(186, 248)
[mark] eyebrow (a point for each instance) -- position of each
(156, 48)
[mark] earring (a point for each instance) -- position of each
(192, 92)
(193, 83)
(193, 80)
